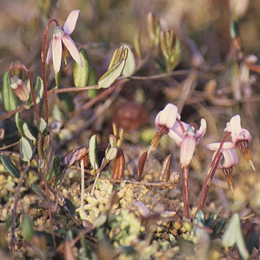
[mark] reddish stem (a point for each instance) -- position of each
(185, 191)
(210, 175)
(21, 66)
(44, 66)
(181, 125)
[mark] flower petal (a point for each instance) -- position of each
(202, 130)
(230, 158)
(168, 115)
(187, 149)
(71, 21)
(175, 137)
(56, 53)
(70, 45)
(226, 146)
(49, 53)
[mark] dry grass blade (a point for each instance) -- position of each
(119, 165)
(141, 164)
(165, 170)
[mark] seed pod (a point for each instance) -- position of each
(119, 165)
(141, 164)
(75, 155)
(165, 170)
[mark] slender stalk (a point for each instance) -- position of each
(73, 89)
(82, 183)
(185, 191)
(46, 187)
(21, 66)
(16, 198)
(44, 67)
(210, 175)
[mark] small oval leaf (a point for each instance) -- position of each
(165, 170)
(29, 132)
(119, 165)
(19, 123)
(10, 100)
(130, 66)
(141, 164)
(93, 152)
(41, 125)
(111, 153)
(54, 169)
(81, 74)
(9, 166)
(27, 228)
(25, 150)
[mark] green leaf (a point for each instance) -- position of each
(27, 228)
(9, 166)
(210, 221)
(130, 66)
(30, 131)
(10, 100)
(41, 125)
(19, 123)
(217, 229)
(199, 221)
(230, 236)
(81, 74)
(115, 68)
(233, 235)
(54, 169)
(38, 91)
(39, 192)
(111, 153)
(93, 152)
(66, 101)
(25, 150)
(92, 93)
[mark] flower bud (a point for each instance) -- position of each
(19, 89)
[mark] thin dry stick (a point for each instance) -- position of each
(9, 114)
(16, 198)
(210, 175)
(44, 66)
(21, 66)
(72, 89)
(82, 182)
(185, 191)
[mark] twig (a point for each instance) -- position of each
(72, 89)
(9, 114)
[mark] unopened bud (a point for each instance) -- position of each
(19, 89)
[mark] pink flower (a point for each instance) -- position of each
(166, 119)
(187, 140)
(177, 133)
(240, 137)
(237, 132)
(61, 37)
(227, 161)
(19, 88)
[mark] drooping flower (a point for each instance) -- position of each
(240, 137)
(166, 118)
(61, 38)
(228, 159)
(164, 122)
(187, 137)
(19, 88)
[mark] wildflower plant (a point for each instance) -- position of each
(99, 191)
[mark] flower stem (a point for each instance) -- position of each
(44, 66)
(185, 191)
(210, 175)
(24, 68)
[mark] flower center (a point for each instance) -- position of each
(58, 32)
(243, 146)
(163, 130)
